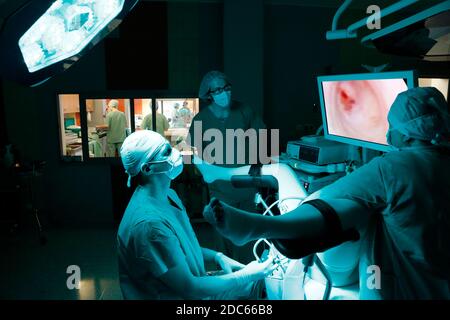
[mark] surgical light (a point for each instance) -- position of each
(65, 29)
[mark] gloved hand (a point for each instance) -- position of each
(227, 264)
(255, 271)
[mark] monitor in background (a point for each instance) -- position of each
(442, 84)
(355, 106)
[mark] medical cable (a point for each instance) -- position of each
(311, 259)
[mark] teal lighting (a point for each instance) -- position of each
(65, 29)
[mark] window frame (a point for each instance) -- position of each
(100, 95)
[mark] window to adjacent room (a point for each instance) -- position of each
(85, 133)
(178, 114)
(70, 126)
(105, 140)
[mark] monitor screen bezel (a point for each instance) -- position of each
(408, 76)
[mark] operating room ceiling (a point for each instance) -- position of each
(426, 39)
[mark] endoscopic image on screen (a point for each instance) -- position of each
(358, 109)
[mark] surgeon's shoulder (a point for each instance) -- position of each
(174, 196)
(376, 163)
(383, 167)
(200, 116)
(395, 157)
(153, 229)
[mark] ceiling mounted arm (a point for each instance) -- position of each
(334, 33)
(351, 31)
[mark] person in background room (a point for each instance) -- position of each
(116, 130)
(221, 112)
(400, 199)
(177, 119)
(185, 114)
(159, 254)
(162, 124)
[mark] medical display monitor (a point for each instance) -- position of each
(355, 106)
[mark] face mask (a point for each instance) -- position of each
(223, 99)
(172, 166)
(176, 160)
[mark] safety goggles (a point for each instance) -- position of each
(217, 91)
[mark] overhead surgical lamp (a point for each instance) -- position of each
(46, 37)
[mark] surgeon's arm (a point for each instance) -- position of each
(307, 221)
(304, 222)
(226, 263)
(180, 279)
(209, 255)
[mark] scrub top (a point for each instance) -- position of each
(240, 117)
(117, 124)
(408, 192)
(162, 124)
(152, 239)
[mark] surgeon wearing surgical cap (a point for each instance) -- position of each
(419, 116)
(399, 203)
(159, 254)
(219, 111)
(117, 124)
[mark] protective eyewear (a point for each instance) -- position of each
(161, 166)
(220, 90)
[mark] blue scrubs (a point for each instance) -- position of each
(151, 240)
(408, 194)
(154, 238)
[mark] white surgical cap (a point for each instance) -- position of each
(205, 85)
(113, 104)
(420, 113)
(138, 148)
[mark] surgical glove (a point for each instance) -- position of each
(255, 271)
(227, 264)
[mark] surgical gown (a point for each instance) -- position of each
(408, 192)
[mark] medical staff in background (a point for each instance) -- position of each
(220, 112)
(116, 128)
(162, 124)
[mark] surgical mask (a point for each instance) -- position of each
(176, 160)
(172, 166)
(223, 99)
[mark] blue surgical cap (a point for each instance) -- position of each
(420, 113)
(138, 148)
